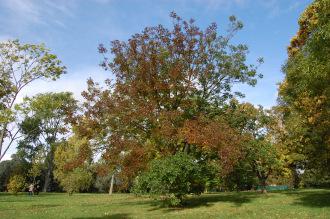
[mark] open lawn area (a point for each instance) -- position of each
(286, 204)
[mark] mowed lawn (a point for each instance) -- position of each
(286, 204)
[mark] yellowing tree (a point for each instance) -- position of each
(72, 164)
(304, 93)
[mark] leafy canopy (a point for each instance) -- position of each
(168, 81)
(20, 65)
(304, 93)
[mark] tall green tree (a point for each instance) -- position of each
(304, 93)
(20, 65)
(46, 122)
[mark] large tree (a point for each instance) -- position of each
(20, 65)
(46, 121)
(169, 82)
(304, 93)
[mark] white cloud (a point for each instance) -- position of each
(23, 13)
(20, 7)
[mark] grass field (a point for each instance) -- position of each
(292, 204)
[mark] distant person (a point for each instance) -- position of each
(31, 188)
(37, 188)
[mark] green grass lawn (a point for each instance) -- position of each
(286, 204)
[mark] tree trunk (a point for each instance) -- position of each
(238, 183)
(296, 178)
(263, 185)
(2, 137)
(111, 184)
(186, 148)
(49, 172)
(47, 180)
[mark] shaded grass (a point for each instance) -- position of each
(292, 204)
(312, 199)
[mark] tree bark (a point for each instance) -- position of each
(49, 172)
(111, 184)
(262, 179)
(296, 178)
(186, 148)
(263, 184)
(3, 130)
(47, 180)
(2, 136)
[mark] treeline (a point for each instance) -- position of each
(170, 124)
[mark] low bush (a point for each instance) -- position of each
(16, 184)
(172, 178)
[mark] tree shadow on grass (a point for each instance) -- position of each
(25, 194)
(151, 202)
(5, 194)
(8, 194)
(44, 206)
(9, 197)
(113, 216)
(208, 200)
(316, 199)
(237, 199)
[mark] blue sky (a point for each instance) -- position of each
(72, 29)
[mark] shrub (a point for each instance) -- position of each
(172, 178)
(77, 180)
(16, 184)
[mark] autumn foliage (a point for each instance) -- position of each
(167, 97)
(304, 94)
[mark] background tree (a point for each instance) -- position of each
(9, 168)
(73, 164)
(20, 64)
(260, 155)
(45, 123)
(94, 126)
(37, 165)
(264, 160)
